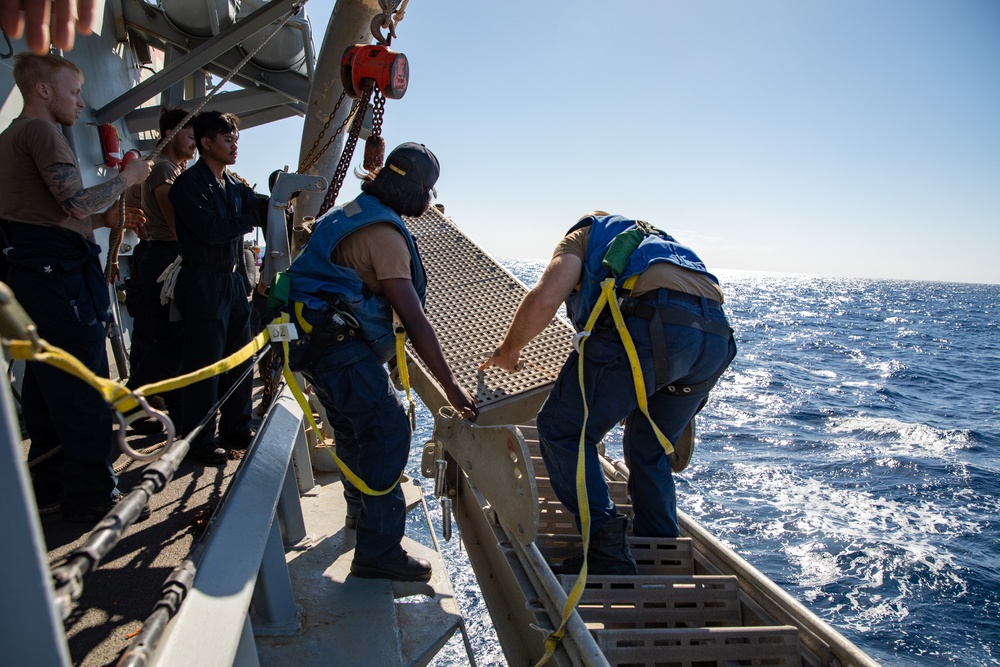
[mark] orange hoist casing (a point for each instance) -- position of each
(389, 69)
(111, 150)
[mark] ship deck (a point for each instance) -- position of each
(334, 608)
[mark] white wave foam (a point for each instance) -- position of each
(832, 535)
(891, 437)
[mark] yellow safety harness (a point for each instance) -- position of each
(607, 298)
(307, 410)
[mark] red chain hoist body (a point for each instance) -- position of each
(388, 69)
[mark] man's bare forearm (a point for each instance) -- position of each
(66, 186)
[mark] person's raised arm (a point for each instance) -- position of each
(65, 184)
(201, 219)
(403, 299)
(537, 309)
(33, 18)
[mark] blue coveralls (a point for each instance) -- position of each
(56, 276)
(211, 296)
(366, 413)
(161, 355)
(694, 357)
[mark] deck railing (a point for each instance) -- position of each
(240, 560)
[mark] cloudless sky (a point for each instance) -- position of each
(834, 137)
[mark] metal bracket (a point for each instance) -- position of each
(278, 252)
(497, 463)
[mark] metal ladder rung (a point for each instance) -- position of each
(773, 646)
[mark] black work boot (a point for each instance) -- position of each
(608, 552)
(403, 568)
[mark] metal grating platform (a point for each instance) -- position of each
(471, 299)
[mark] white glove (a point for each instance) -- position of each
(169, 280)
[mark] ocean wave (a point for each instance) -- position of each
(832, 537)
(895, 437)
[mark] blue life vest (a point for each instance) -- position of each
(317, 282)
(654, 248)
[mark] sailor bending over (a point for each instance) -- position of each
(672, 307)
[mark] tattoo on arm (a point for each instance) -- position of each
(66, 186)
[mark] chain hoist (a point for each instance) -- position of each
(375, 144)
(367, 70)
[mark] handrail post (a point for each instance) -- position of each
(31, 631)
(274, 605)
(289, 512)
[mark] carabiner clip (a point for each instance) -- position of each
(147, 411)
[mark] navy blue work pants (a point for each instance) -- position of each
(215, 316)
(162, 358)
(694, 356)
(372, 434)
(59, 409)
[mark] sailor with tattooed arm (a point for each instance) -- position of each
(56, 275)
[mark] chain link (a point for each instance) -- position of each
(309, 160)
(358, 115)
(378, 113)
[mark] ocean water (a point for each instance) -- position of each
(851, 453)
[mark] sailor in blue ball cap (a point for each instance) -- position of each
(360, 266)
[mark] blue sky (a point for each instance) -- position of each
(833, 137)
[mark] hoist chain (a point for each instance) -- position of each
(378, 113)
(358, 115)
(310, 160)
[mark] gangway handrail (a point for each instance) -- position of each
(243, 555)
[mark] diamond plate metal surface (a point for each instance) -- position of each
(471, 299)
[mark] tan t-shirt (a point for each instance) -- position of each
(164, 171)
(377, 252)
(28, 146)
(660, 274)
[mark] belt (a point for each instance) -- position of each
(674, 295)
(214, 268)
(639, 307)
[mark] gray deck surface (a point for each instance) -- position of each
(338, 611)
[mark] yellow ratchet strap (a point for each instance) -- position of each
(300, 398)
(404, 373)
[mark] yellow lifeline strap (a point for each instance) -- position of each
(404, 373)
(607, 298)
(117, 395)
(307, 410)
(124, 401)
